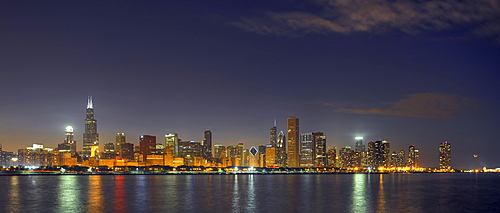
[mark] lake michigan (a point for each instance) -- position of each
(446, 192)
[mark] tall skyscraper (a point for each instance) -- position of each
(281, 150)
(293, 142)
(69, 144)
(307, 149)
(379, 154)
(172, 144)
(445, 156)
(272, 135)
(321, 155)
(90, 136)
(359, 144)
(120, 139)
(207, 145)
(412, 157)
(147, 145)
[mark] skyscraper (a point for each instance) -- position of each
(120, 139)
(90, 136)
(281, 150)
(207, 145)
(320, 140)
(332, 157)
(445, 156)
(147, 145)
(69, 139)
(308, 149)
(359, 144)
(272, 135)
(379, 154)
(293, 142)
(172, 144)
(412, 157)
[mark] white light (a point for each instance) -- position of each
(358, 138)
(69, 129)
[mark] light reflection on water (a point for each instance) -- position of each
(68, 198)
(95, 197)
(360, 200)
(251, 193)
(14, 197)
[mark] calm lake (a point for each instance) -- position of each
(252, 193)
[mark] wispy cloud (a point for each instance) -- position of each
(424, 105)
(377, 16)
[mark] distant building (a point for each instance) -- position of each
(190, 149)
(69, 140)
(320, 150)
(36, 156)
(207, 145)
(172, 144)
(219, 151)
(445, 156)
(127, 151)
(270, 156)
(253, 157)
(360, 147)
(307, 149)
(379, 154)
(281, 155)
(332, 157)
(412, 157)
(147, 145)
(120, 139)
(272, 135)
(90, 136)
(109, 151)
(293, 142)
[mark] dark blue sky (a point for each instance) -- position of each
(411, 73)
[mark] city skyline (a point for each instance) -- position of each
(308, 150)
(155, 68)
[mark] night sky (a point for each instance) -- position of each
(411, 73)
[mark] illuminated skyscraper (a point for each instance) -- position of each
(172, 144)
(445, 156)
(360, 147)
(147, 145)
(272, 135)
(379, 154)
(309, 144)
(293, 142)
(90, 136)
(412, 157)
(321, 159)
(281, 150)
(69, 139)
(120, 139)
(332, 157)
(207, 145)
